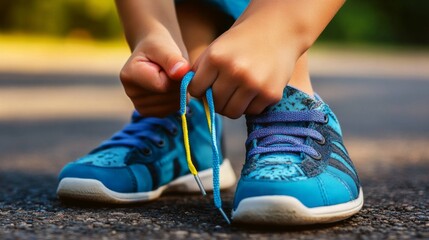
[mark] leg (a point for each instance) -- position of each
(199, 26)
(307, 185)
(126, 168)
(301, 78)
(107, 173)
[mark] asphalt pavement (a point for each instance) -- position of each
(384, 120)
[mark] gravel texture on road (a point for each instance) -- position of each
(396, 207)
(391, 155)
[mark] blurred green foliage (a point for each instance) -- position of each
(398, 22)
(81, 18)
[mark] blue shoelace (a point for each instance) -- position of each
(273, 138)
(270, 139)
(140, 129)
(211, 120)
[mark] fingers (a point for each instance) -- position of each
(222, 93)
(153, 63)
(167, 54)
(148, 75)
(157, 111)
(238, 103)
(257, 106)
(139, 74)
(157, 105)
(205, 75)
(147, 99)
(235, 92)
(242, 101)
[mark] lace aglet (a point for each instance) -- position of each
(224, 215)
(200, 185)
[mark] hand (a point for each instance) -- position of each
(151, 75)
(246, 69)
(250, 64)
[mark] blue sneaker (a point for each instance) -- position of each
(143, 160)
(297, 169)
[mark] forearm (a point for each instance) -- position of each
(300, 22)
(142, 17)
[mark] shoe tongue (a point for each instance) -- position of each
(293, 100)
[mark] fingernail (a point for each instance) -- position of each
(176, 67)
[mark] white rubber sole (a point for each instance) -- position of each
(286, 210)
(93, 190)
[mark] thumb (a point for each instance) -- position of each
(170, 58)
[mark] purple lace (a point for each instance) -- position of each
(283, 138)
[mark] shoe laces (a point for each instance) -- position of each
(211, 121)
(278, 132)
(140, 132)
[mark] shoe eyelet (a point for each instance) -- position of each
(317, 157)
(189, 112)
(160, 143)
(322, 141)
(326, 119)
(147, 151)
(174, 131)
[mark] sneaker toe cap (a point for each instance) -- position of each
(323, 190)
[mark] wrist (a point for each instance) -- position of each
(141, 18)
(286, 37)
(296, 23)
(158, 39)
